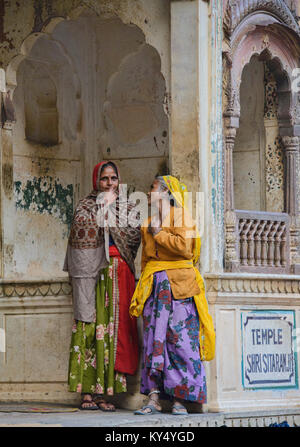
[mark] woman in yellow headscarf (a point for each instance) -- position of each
(178, 329)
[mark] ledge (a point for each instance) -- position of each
(254, 289)
(34, 287)
(243, 275)
(34, 280)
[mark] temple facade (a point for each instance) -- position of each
(208, 91)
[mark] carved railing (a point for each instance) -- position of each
(263, 241)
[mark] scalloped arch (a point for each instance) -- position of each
(237, 10)
(26, 47)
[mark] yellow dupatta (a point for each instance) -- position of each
(144, 286)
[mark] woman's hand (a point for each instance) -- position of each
(109, 196)
(154, 225)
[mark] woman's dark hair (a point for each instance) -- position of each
(109, 164)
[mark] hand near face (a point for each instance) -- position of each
(109, 196)
(155, 225)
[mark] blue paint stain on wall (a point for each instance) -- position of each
(216, 142)
(45, 195)
(213, 174)
(213, 200)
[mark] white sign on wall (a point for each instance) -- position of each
(268, 354)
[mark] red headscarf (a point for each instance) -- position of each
(97, 173)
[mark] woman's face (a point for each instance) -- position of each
(108, 180)
(156, 194)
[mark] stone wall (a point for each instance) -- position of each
(230, 296)
(85, 81)
(35, 326)
(88, 86)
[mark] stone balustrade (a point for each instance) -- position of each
(263, 241)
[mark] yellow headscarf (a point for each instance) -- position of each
(179, 190)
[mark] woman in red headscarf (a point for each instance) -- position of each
(102, 246)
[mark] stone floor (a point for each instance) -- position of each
(51, 415)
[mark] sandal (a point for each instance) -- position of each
(152, 409)
(93, 405)
(179, 409)
(103, 405)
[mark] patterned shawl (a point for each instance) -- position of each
(86, 232)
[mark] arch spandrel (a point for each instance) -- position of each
(269, 31)
(237, 11)
(268, 43)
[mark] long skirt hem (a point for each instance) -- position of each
(171, 358)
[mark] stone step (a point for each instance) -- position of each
(34, 414)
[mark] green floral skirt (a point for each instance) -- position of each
(93, 345)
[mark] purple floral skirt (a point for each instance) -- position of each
(171, 359)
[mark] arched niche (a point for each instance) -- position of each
(88, 73)
(46, 93)
(105, 42)
(267, 38)
(40, 106)
(258, 154)
(268, 43)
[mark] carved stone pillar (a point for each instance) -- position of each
(291, 145)
(7, 211)
(231, 254)
(229, 146)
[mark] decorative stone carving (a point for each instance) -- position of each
(274, 167)
(263, 241)
(8, 114)
(295, 113)
(271, 96)
(226, 84)
(230, 134)
(275, 174)
(291, 145)
(242, 285)
(231, 255)
(270, 42)
(21, 289)
(237, 10)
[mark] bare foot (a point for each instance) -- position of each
(103, 405)
(178, 408)
(87, 403)
(148, 409)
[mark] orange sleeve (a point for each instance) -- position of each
(179, 239)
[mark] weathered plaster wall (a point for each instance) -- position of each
(122, 99)
(44, 201)
(216, 168)
(101, 75)
(196, 116)
(88, 88)
(19, 18)
(184, 155)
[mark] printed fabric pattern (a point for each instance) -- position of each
(93, 345)
(171, 359)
